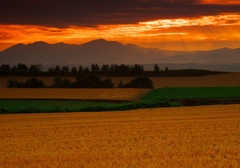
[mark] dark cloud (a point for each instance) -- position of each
(90, 13)
(231, 21)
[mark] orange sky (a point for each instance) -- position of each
(221, 1)
(205, 32)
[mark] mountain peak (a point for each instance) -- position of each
(132, 45)
(39, 43)
(15, 47)
(103, 43)
(97, 41)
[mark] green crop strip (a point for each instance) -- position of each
(38, 106)
(193, 92)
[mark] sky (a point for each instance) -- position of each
(183, 25)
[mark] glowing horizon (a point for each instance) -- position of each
(220, 28)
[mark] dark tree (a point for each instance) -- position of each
(13, 83)
(112, 68)
(37, 68)
(51, 71)
(137, 69)
(14, 69)
(66, 83)
(95, 68)
(86, 70)
(57, 69)
(105, 69)
(57, 83)
(80, 68)
(94, 81)
(5, 68)
(34, 83)
(156, 69)
(81, 80)
(107, 83)
(74, 70)
(120, 84)
(65, 70)
(87, 80)
(140, 82)
(22, 68)
(61, 83)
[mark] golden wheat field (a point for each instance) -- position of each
(80, 94)
(204, 136)
(221, 80)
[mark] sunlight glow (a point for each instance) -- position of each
(205, 29)
(221, 20)
(220, 1)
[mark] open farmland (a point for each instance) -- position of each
(75, 94)
(204, 136)
(221, 80)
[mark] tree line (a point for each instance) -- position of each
(20, 69)
(82, 80)
(103, 70)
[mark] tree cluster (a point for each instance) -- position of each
(82, 80)
(104, 70)
(21, 69)
(119, 70)
(30, 83)
(140, 82)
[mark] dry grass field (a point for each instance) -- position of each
(204, 136)
(78, 94)
(222, 80)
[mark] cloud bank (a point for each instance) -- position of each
(91, 13)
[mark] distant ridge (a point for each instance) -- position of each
(102, 51)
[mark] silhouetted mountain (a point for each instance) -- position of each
(96, 51)
(106, 52)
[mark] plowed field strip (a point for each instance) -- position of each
(76, 94)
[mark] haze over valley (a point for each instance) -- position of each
(101, 51)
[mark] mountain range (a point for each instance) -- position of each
(107, 52)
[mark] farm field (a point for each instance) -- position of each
(75, 94)
(193, 92)
(220, 80)
(204, 136)
(48, 106)
(43, 106)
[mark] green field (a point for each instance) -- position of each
(43, 106)
(156, 98)
(30, 106)
(193, 92)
